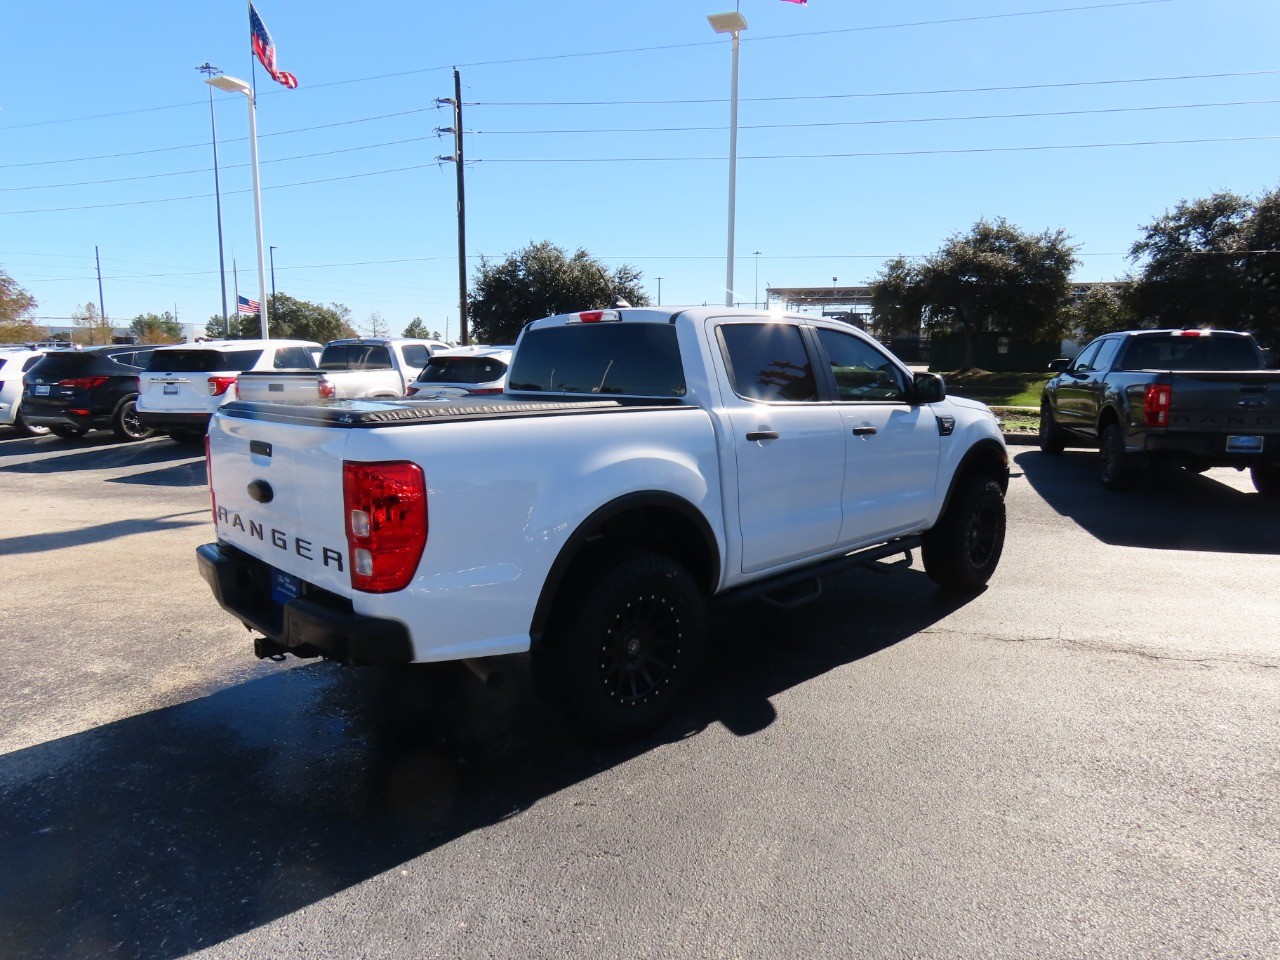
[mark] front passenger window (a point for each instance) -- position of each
(861, 371)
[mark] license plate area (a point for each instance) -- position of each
(284, 587)
(1244, 443)
(41, 390)
(170, 389)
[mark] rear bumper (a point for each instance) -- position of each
(1210, 448)
(176, 421)
(316, 624)
(57, 415)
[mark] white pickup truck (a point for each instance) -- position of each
(641, 464)
(348, 370)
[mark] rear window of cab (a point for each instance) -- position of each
(203, 361)
(606, 359)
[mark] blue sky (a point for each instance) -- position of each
(867, 130)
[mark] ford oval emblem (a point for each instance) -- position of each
(261, 491)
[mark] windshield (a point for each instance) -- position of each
(616, 359)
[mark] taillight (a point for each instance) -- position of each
(220, 385)
(327, 390)
(1156, 403)
(411, 392)
(208, 475)
(83, 383)
(386, 518)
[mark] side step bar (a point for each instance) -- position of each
(797, 587)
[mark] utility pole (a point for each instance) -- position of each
(102, 310)
(273, 276)
(457, 160)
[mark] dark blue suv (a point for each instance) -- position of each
(74, 391)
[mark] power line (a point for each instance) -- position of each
(865, 123)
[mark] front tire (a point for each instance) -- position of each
(1052, 439)
(1117, 465)
(1266, 479)
(963, 550)
(127, 425)
(628, 644)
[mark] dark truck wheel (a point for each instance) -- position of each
(1052, 440)
(1266, 479)
(628, 644)
(962, 551)
(127, 425)
(1117, 465)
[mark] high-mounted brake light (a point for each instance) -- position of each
(220, 385)
(386, 518)
(1191, 333)
(83, 383)
(599, 316)
(1156, 403)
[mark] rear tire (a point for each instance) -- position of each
(1266, 479)
(69, 433)
(963, 550)
(25, 429)
(1052, 440)
(127, 425)
(1117, 465)
(628, 643)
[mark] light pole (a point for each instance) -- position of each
(659, 279)
(233, 85)
(732, 23)
(756, 302)
(209, 70)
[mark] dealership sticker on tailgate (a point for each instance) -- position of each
(1244, 444)
(284, 586)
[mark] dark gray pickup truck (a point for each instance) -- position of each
(1190, 398)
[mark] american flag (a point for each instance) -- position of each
(245, 305)
(266, 50)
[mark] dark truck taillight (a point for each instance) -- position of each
(220, 385)
(1155, 404)
(386, 518)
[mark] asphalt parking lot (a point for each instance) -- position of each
(1081, 761)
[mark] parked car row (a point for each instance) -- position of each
(138, 391)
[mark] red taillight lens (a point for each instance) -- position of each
(591, 316)
(484, 390)
(83, 383)
(1155, 406)
(220, 385)
(208, 475)
(411, 392)
(386, 517)
(327, 390)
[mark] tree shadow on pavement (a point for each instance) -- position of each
(180, 828)
(1167, 509)
(89, 455)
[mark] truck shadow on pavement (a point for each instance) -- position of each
(177, 829)
(1167, 509)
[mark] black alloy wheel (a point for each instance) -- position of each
(127, 424)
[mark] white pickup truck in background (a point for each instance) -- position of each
(641, 464)
(348, 370)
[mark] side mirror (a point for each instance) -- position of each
(928, 388)
(1059, 365)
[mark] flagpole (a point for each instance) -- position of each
(257, 187)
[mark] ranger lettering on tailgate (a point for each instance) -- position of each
(304, 548)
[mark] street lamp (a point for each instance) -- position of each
(659, 279)
(272, 251)
(209, 70)
(732, 23)
(756, 301)
(234, 85)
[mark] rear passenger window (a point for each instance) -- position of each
(416, 355)
(289, 358)
(769, 362)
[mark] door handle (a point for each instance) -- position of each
(864, 431)
(762, 435)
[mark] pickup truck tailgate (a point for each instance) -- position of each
(277, 490)
(1239, 401)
